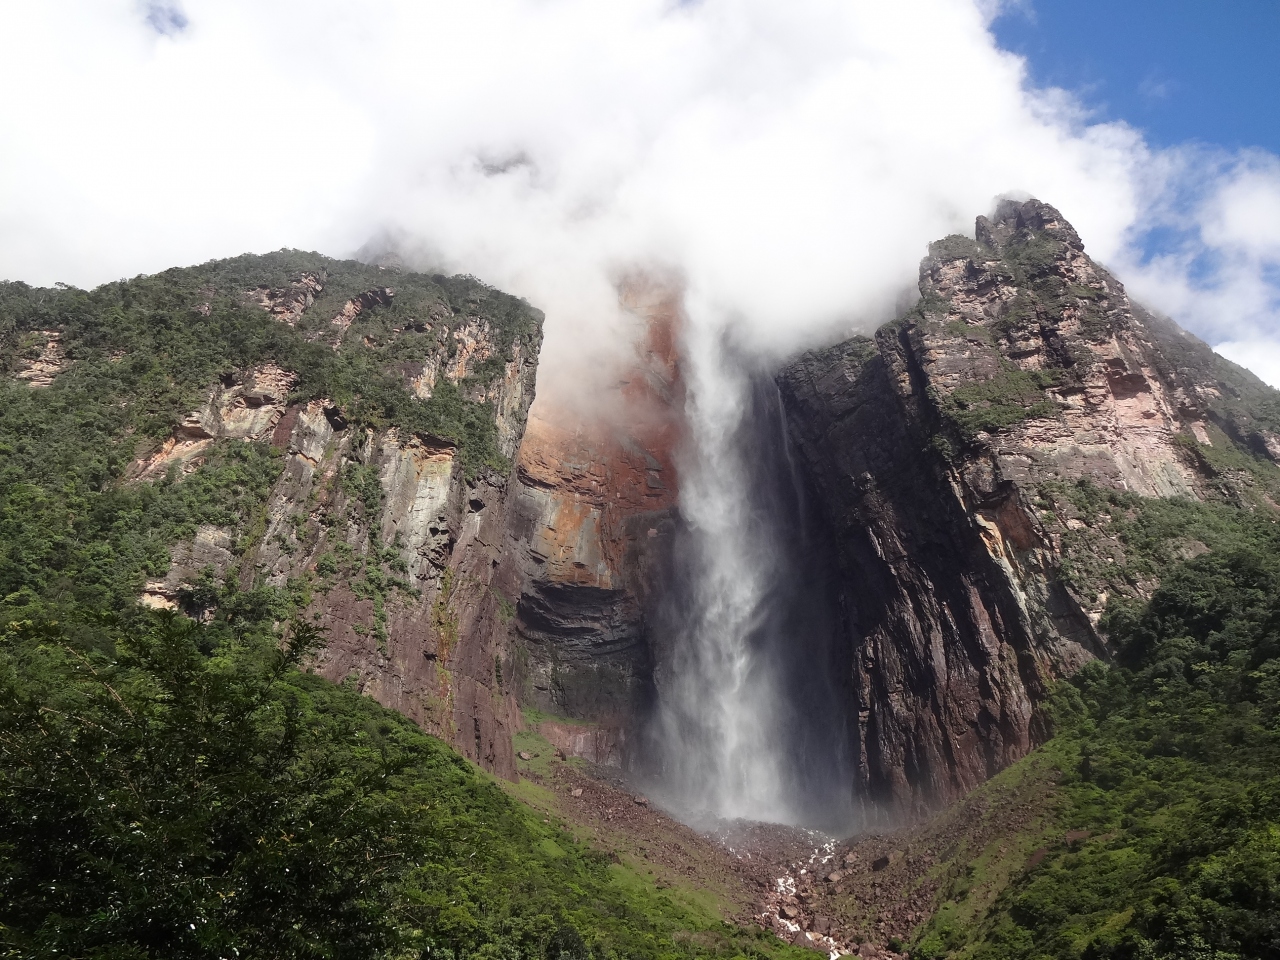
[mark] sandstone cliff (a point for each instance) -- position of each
(390, 539)
(592, 516)
(935, 447)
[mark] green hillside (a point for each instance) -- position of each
(191, 793)
(1164, 840)
(172, 788)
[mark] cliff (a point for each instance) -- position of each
(947, 451)
(283, 437)
(588, 538)
(346, 444)
(386, 531)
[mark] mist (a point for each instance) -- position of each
(790, 163)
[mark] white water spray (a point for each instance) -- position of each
(736, 717)
(719, 707)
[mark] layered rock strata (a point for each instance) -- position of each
(1024, 363)
(390, 541)
(51, 360)
(590, 525)
(238, 408)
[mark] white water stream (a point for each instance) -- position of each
(749, 717)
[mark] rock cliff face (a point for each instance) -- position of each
(589, 528)
(390, 540)
(469, 552)
(1024, 364)
(446, 592)
(45, 358)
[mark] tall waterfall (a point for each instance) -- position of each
(750, 721)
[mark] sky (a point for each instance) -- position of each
(1200, 81)
(1180, 70)
(788, 162)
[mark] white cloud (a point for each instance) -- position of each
(1244, 213)
(1216, 268)
(1260, 356)
(791, 161)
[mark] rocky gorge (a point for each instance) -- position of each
(930, 452)
(944, 512)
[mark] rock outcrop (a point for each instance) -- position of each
(590, 524)
(1024, 363)
(50, 361)
(238, 408)
(287, 303)
(392, 541)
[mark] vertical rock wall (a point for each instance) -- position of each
(386, 540)
(1023, 363)
(590, 522)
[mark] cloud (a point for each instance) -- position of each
(1207, 251)
(165, 18)
(1155, 87)
(790, 162)
(1260, 356)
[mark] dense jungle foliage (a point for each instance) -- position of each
(1169, 843)
(192, 793)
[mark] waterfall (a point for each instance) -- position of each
(751, 716)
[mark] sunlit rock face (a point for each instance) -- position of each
(386, 540)
(1024, 363)
(589, 531)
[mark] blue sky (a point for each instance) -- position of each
(1181, 70)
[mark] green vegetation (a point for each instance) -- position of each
(1128, 541)
(73, 550)
(1170, 775)
(1035, 257)
(959, 247)
(968, 331)
(144, 351)
(1010, 396)
(193, 794)
(1237, 473)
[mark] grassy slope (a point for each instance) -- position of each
(644, 841)
(948, 871)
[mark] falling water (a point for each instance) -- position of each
(751, 718)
